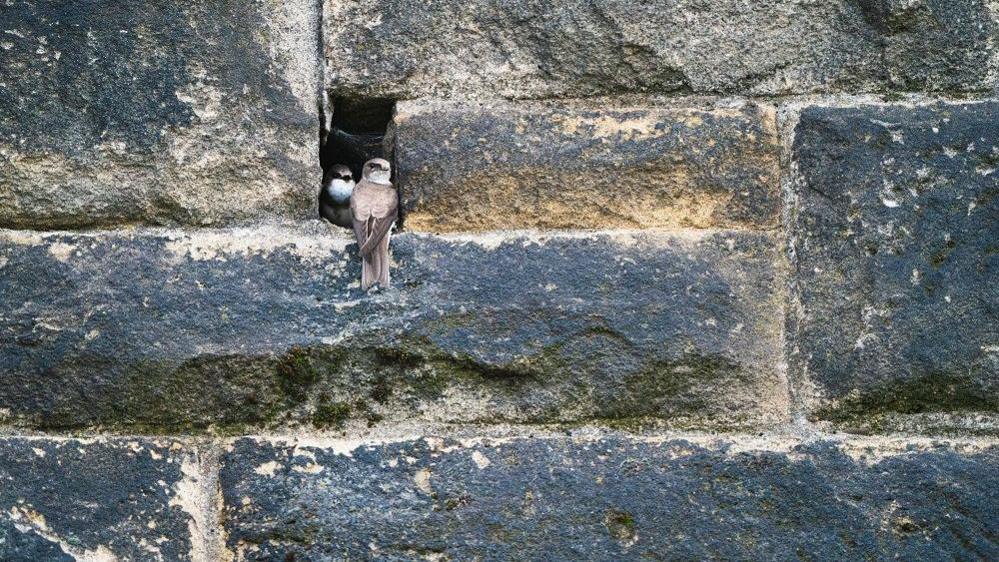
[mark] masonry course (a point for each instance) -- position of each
(612, 497)
(569, 48)
(166, 330)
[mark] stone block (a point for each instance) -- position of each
(467, 167)
(571, 48)
(611, 498)
(175, 330)
(896, 261)
(157, 112)
(99, 499)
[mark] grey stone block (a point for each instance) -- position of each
(157, 112)
(467, 167)
(168, 330)
(96, 499)
(608, 499)
(573, 48)
(896, 261)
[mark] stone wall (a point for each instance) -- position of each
(675, 280)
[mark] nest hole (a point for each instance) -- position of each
(356, 133)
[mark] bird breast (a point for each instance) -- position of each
(373, 200)
(340, 190)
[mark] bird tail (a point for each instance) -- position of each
(375, 266)
(370, 273)
(382, 259)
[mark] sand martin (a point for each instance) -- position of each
(375, 206)
(334, 196)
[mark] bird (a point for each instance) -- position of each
(375, 207)
(334, 196)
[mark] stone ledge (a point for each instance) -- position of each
(896, 323)
(164, 330)
(526, 49)
(100, 499)
(610, 497)
(157, 112)
(468, 167)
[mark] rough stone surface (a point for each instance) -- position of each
(573, 48)
(166, 329)
(473, 167)
(897, 254)
(66, 500)
(609, 499)
(157, 111)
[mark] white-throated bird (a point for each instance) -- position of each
(334, 196)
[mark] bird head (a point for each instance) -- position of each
(339, 182)
(377, 170)
(340, 172)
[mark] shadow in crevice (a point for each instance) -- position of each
(356, 133)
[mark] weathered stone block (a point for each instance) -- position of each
(474, 167)
(168, 330)
(937, 45)
(570, 48)
(117, 499)
(157, 112)
(896, 261)
(609, 499)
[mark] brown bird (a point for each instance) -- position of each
(375, 206)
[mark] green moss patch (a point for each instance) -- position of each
(878, 409)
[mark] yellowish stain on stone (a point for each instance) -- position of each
(26, 519)
(61, 251)
(206, 245)
(311, 468)
(611, 127)
(480, 460)
(422, 481)
(692, 120)
(269, 468)
(688, 186)
(21, 237)
(649, 198)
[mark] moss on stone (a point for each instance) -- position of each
(934, 392)
(297, 372)
(381, 390)
(326, 385)
(161, 397)
(679, 383)
(331, 415)
(620, 524)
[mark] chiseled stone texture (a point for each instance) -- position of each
(575, 48)
(96, 499)
(609, 499)
(167, 330)
(467, 167)
(896, 245)
(157, 112)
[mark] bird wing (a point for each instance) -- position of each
(384, 213)
(360, 209)
(326, 209)
(375, 208)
